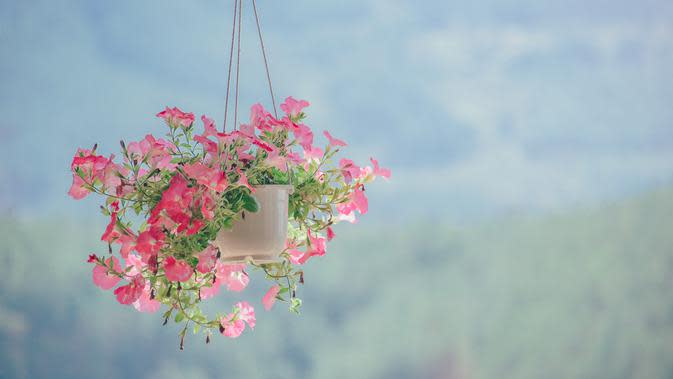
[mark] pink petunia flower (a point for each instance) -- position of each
(174, 117)
(270, 297)
(77, 190)
(232, 326)
(211, 177)
(293, 108)
(347, 217)
(177, 270)
(149, 243)
(259, 118)
(128, 244)
(313, 154)
(274, 159)
(208, 126)
(246, 313)
(208, 206)
(207, 259)
(145, 303)
(131, 292)
(303, 135)
(349, 170)
(92, 167)
(102, 278)
(333, 141)
(378, 171)
(243, 181)
(357, 201)
(330, 233)
(134, 265)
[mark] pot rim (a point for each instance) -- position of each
(274, 186)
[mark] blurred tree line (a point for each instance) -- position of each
(583, 294)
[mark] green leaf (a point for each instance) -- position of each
(179, 317)
(250, 204)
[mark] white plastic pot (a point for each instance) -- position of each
(258, 236)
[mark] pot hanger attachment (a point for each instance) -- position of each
(236, 37)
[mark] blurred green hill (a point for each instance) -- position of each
(584, 294)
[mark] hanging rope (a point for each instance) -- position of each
(231, 56)
(238, 16)
(238, 62)
(236, 33)
(266, 64)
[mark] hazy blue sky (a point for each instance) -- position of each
(477, 106)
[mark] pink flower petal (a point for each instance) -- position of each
(246, 313)
(270, 298)
(144, 303)
(382, 172)
(333, 141)
(293, 107)
(131, 292)
(207, 259)
(232, 327)
(208, 292)
(102, 279)
(177, 270)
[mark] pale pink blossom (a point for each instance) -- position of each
(77, 190)
(292, 107)
(303, 135)
(313, 154)
(348, 218)
(134, 265)
(145, 303)
(274, 159)
(211, 177)
(246, 313)
(259, 118)
(128, 244)
(356, 201)
(333, 141)
(379, 171)
(237, 281)
(296, 256)
(131, 292)
(207, 292)
(208, 126)
(349, 170)
(102, 278)
(232, 327)
(234, 323)
(243, 181)
(270, 297)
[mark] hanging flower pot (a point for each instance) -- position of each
(258, 236)
(197, 211)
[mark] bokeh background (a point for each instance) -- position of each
(526, 232)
